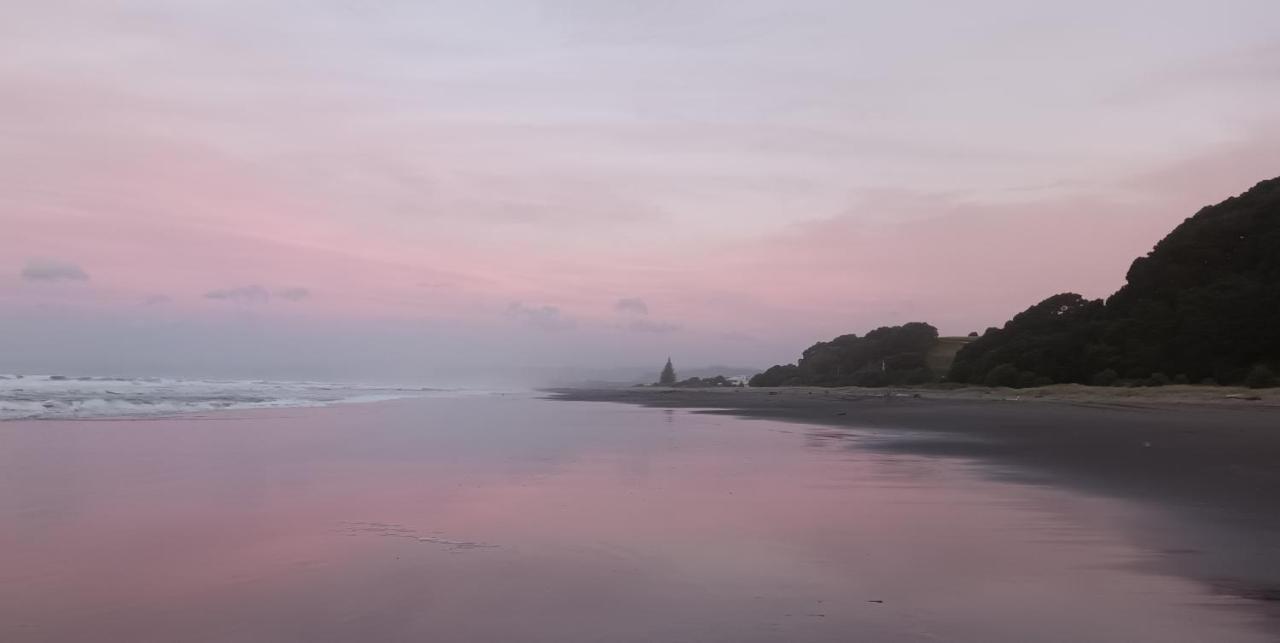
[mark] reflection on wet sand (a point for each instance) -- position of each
(520, 519)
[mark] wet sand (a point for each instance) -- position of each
(513, 518)
(1208, 462)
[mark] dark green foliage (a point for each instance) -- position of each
(706, 382)
(1105, 377)
(915, 376)
(668, 376)
(1054, 339)
(1204, 303)
(1001, 375)
(783, 375)
(1261, 377)
(891, 355)
(1027, 379)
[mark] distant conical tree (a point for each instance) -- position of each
(668, 376)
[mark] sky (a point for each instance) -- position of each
(522, 190)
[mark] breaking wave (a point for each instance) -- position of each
(58, 396)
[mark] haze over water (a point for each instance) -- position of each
(505, 518)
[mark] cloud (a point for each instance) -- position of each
(53, 270)
(255, 294)
(631, 306)
(541, 317)
(637, 312)
(156, 300)
(651, 326)
(252, 294)
(293, 293)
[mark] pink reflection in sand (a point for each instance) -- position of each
(501, 519)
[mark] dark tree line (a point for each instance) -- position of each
(719, 381)
(890, 355)
(1202, 306)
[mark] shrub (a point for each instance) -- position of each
(1106, 377)
(1159, 379)
(1137, 373)
(1261, 377)
(1026, 379)
(919, 376)
(780, 375)
(870, 379)
(1002, 375)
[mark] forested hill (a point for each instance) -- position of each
(884, 356)
(1203, 305)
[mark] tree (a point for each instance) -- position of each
(891, 355)
(1261, 377)
(1106, 377)
(781, 375)
(668, 376)
(1051, 339)
(1203, 304)
(1002, 375)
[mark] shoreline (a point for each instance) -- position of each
(1173, 394)
(1208, 463)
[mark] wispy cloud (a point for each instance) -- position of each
(631, 306)
(41, 269)
(294, 293)
(253, 294)
(547, 318)
(651, 326)
(634, 313)
(256, 294)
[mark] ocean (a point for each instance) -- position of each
(88, 397)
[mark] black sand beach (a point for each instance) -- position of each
(1211, 464)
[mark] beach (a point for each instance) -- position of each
(1208, 458)
(494, 517)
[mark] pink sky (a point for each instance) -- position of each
(302, 188)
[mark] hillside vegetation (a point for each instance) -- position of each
(1202, 306)
(887, 355)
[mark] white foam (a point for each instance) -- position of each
(57, 396)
